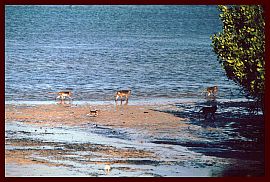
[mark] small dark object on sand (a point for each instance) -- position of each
(94, 112)
(208, 110)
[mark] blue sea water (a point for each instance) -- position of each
(157, 51)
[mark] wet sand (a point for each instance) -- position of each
(140, 140)
(139, 117)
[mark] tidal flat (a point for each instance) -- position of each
(133, 140)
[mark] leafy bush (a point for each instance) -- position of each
(240, 47)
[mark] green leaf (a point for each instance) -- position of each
(240, 46)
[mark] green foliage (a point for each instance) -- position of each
(240, 47)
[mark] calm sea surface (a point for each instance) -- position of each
(157, 51)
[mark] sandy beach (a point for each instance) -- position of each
(140, 117)
(135, 140)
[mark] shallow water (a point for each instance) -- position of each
(170, 160)
(201, 150)
(157, 51)
(145, 101)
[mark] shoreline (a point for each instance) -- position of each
(146, 101)
(217, 148)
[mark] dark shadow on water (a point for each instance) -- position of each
(234, 133)
(256, 170)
